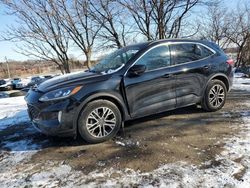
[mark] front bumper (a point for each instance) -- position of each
(20, 86)
(45, 115)
(52, 128)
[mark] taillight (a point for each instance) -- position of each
(230, 62)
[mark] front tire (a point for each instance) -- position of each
(215, 96)
(99, 121)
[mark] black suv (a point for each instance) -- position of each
(132, 82)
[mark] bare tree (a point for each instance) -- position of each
(239, 32)
(159, 19)
(110, 15)
(3, 70)
(141, 12)
(228, 29)
(76, 17)
(246, 54)
(39, 30)
(215, 24)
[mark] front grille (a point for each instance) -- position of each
(33, 112)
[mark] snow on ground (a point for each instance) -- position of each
(15, 150)
(233, 161)
(12, 111)
(241, 84)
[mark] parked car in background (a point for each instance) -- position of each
(35, 80)
(46, 77)
(5, 85)
(2, 82)
(242, 72)
(15, 81)
(240, 75)
(132, 82)
(23, 83)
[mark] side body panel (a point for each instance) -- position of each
(150, 93)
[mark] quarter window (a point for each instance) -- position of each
(205, 52)
(156, 58)
(183, 53)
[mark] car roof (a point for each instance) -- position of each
(178, 40)
(155, 42)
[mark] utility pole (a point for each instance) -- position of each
(8, 69)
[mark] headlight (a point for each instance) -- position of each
(60, 93)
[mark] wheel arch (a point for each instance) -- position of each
(103, 96)
(221, 77)
(114, 100)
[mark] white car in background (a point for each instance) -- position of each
(23, 83)
(5, 85)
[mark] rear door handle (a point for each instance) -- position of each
(167, 75)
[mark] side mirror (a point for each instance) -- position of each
(137, 70)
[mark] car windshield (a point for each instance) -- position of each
(116, 60)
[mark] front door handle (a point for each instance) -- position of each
(206, 67)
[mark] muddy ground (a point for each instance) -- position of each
(188, 135)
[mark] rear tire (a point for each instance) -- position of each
(215, 96)
(99, 121)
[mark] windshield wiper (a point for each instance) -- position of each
(112, 70)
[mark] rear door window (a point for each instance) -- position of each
(188, 52)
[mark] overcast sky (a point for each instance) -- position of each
(7, 49)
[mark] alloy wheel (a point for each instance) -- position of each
(216, 95)
(101, 122)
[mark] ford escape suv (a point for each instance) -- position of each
(132, 82)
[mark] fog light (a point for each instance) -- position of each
(60, 116)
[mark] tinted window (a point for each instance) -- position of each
(183, 53)
(156, 58)
(205, 51)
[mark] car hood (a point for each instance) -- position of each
(78, 78)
